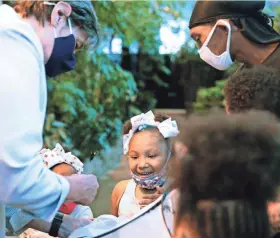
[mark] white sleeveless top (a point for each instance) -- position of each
(128, 205)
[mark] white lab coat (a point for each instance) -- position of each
(25, 181)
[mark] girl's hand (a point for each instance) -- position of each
(147, 199)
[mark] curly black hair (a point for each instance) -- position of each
(254, 88)
(230, 158)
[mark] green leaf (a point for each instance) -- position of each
(86, 107)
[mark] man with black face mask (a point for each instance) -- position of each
(37, 38)
(228, 31)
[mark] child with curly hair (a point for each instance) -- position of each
(230, 173)
(256, 88)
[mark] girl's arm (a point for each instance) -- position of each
(116, 196)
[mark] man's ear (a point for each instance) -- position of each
(223, 29)
(60, 13)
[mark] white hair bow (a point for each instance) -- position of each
(58, 156)
(167, 128)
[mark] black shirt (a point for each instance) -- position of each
(273, 60)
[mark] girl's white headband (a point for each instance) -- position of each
(167, 128)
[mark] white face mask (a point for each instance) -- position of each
(220, 62)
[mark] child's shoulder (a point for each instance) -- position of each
(120, 187)
(117, 194)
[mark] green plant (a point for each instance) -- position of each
(137, 21)
(210, 97)
(87, 106)
(213, 97)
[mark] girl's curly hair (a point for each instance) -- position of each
(254, 88)
(232, 157)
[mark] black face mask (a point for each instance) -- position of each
(62, 58)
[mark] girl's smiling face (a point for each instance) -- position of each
(147, 153)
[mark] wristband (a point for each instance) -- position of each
(56, 223)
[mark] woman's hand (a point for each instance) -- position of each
(148, 199)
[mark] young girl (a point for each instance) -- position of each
(147, 146)
(64, 164)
